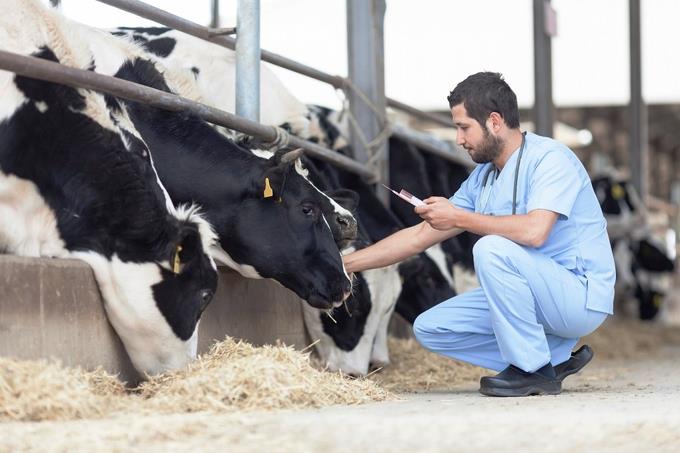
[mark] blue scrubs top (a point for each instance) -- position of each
(551, 177)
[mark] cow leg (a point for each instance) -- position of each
(380, 355)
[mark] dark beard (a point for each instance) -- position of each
(490, 148)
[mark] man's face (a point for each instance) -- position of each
(482, 145)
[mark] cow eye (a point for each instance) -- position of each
(308, 210)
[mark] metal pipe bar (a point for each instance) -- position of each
(54, 72)
(365, 58)
(214, 14)
(248, 59)
(433, 145)
(543, 113)
(191, 28)
(638, 149)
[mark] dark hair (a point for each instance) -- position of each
(483, 93)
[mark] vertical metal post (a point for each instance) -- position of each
(365, 45)
(638, 152)
(248, 59)
(214, 13)
(544, 28)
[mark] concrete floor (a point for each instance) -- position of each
(611, 406)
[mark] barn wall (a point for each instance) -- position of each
(52, 308)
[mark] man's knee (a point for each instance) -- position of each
(422, 326)
(490, 247)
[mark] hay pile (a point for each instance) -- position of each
(234, 375)
(36, 391)
(413, 368)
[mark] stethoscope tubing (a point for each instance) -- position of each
(514, 188)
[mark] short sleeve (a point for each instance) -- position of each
(554, 184)
(466, 195)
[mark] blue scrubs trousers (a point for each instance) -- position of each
(529, 311)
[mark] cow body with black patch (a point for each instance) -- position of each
(77, 181)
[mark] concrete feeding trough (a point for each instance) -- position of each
(52, 308)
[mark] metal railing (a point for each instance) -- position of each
(78, 78)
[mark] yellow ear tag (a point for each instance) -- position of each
(618, 192)
(175, 262)
(268, 192)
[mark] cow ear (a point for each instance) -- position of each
(185, 248)
(286, 156)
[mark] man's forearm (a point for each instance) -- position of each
(392, 249)
(524, 229)
(396, 247)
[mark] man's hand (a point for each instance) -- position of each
(440, 213)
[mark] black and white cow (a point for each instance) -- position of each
(642, 262)
(269, 219)
(77, 181)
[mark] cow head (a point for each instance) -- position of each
(278, 230)
(155, 299)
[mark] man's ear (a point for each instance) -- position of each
(494, 122)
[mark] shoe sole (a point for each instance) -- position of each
(547, 389)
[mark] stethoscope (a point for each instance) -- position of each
(492, 168)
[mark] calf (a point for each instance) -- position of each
(77, 181)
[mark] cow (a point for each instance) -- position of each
(205, 72)
(269, 219)
(641, 261)
(78, 181)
